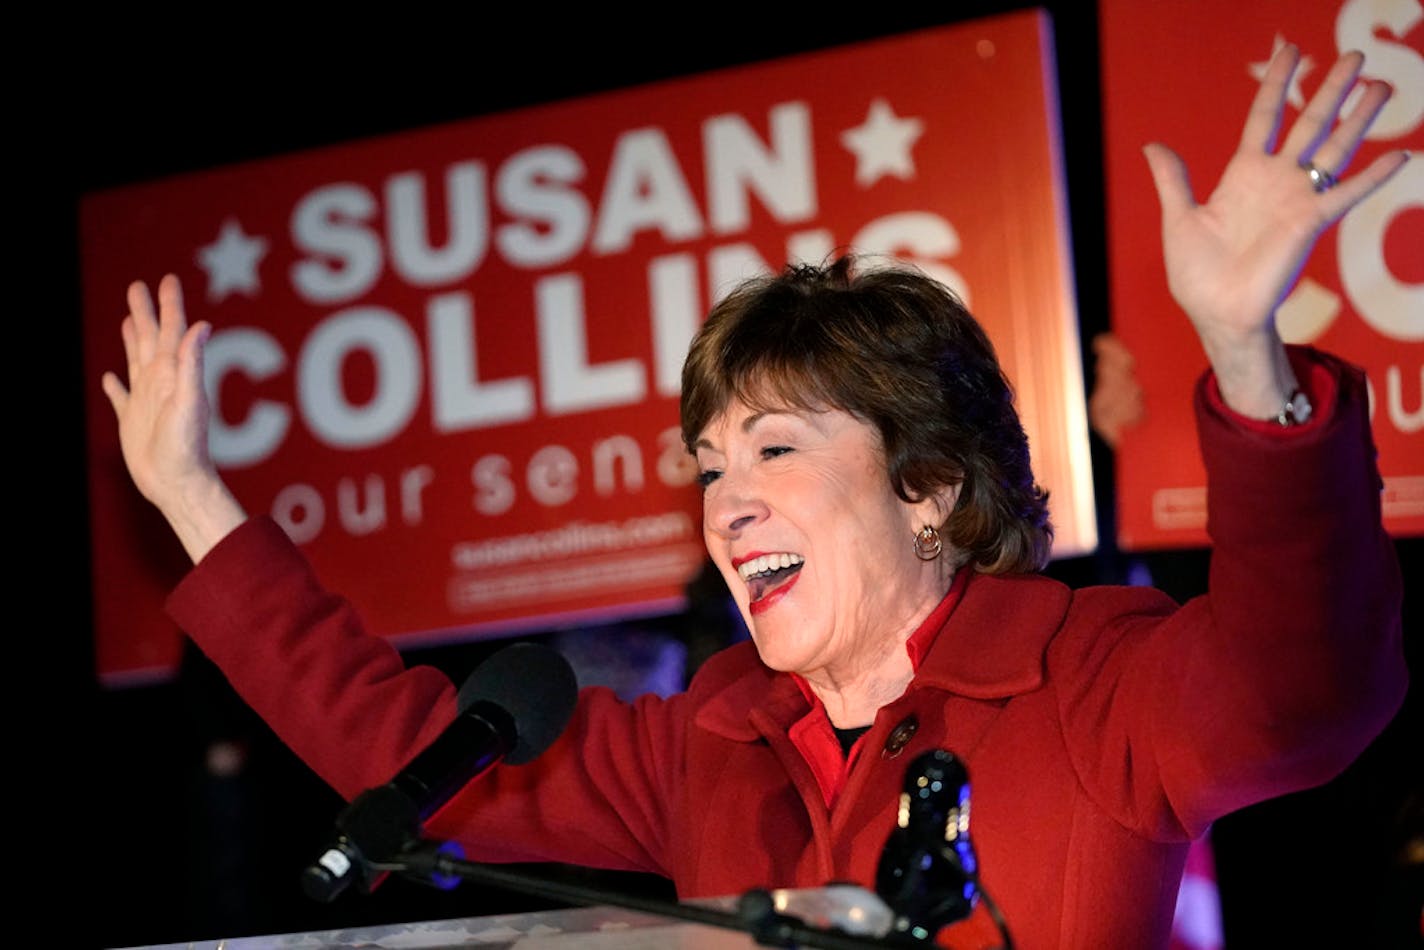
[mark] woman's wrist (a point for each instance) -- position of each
(1255, 379)
(202, 514)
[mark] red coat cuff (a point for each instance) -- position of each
(1317, 380)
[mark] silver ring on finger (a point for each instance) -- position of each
(1320, 179)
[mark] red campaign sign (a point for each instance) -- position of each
(1187, 77)
(447, 361)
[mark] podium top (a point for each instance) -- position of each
(846, 909)
(583, 927)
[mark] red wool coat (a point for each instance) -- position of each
(1103, 728)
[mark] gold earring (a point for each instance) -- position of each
(927, 543)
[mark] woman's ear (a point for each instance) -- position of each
(935, 508)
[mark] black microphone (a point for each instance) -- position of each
(928, 873)
(512, 708)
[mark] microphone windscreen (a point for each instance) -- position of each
(535, 685)
(937, 769)
(935, 783)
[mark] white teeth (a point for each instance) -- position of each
(768, 563)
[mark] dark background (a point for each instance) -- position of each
(139, 840)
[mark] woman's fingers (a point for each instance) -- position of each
(172, 321)
(118, 395)
(1333, 146)
(1264, 118)
(1351, 191)
(1318, 120)
(130, 337)
(1334, 154)
(113, 388)
(1316, 136)
(143, 322)
(149, 333)
(1169, 176)
(190, 362)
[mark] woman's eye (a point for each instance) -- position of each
(772, 451)
(708, 477)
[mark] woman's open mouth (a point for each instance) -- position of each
(768, 576)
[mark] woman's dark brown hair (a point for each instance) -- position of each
(899, 351)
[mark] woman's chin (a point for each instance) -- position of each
(783, 649)
(779, 662)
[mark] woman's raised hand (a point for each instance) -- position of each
(1232, 260)
(163, 418)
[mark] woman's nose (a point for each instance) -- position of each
(730, 508)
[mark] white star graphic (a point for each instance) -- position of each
(882, 144)
(231, 262)
(1293, 95)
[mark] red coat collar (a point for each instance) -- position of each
(992, 647)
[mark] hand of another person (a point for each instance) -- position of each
(1231, 261)
(1116, 402)
(163, 418)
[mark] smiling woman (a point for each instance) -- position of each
(869, 501)
(847, 424)
(801, 498)
(902, 354)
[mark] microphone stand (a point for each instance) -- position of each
(756, 912)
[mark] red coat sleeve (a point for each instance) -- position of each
(345, 702)
(341, 698)
(1277, 677)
